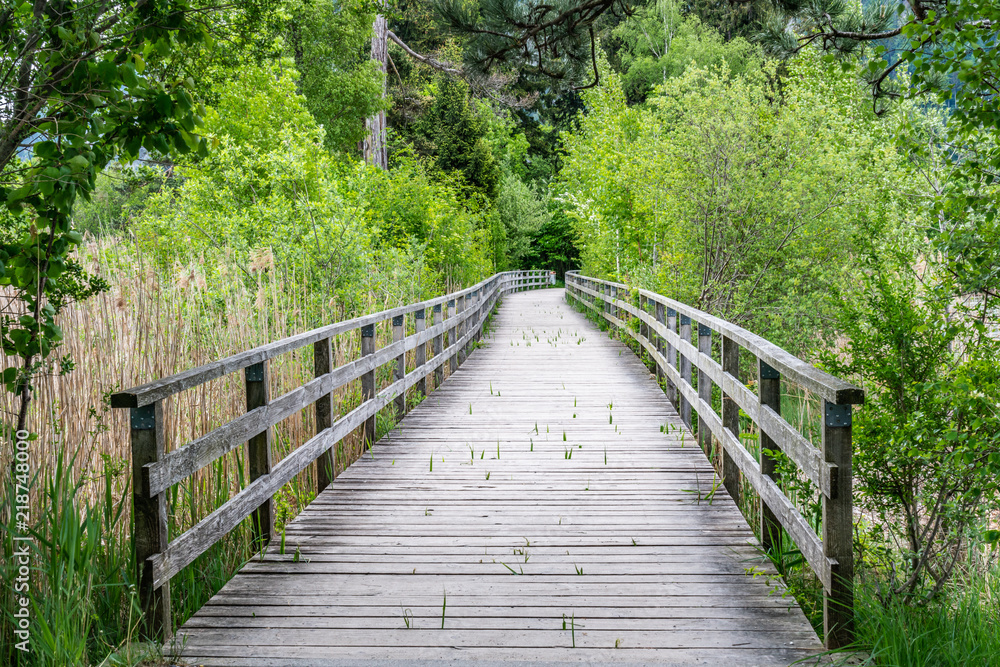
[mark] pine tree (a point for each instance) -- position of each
(458, 137)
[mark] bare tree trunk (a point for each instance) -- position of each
(373, 146)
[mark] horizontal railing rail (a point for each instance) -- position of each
(459, 318)
(665, 331)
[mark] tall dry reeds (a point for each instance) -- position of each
(151, 324)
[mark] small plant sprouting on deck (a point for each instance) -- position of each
(408, 618)
(444, 607)
(579, 569)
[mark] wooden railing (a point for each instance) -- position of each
(458, 322)
(665, 329)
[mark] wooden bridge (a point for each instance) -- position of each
(546, 503)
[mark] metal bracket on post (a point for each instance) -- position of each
(838, 416)
(671, 312)
(397, 321)
(255, 373)
(704, 330)
(685, 320)
(368, 331)
(767, 372)
(144, 418)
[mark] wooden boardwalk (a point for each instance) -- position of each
(545, 505)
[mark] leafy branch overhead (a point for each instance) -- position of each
(81, 84)
(927, 51)
(556, 40)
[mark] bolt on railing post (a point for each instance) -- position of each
(323, 364)
(685, 335)
(399, 368)
(704, 386)
(420, 353)
(838, 527)
(259, 453)
(438, 347)
(368, 385)
(149, 519)
(730, 416)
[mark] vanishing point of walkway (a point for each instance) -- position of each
(546, 504)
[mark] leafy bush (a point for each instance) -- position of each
(927, 441)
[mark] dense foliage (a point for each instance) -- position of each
(822, 173)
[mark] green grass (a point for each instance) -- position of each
(962, 628)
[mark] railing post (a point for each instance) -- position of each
(685, 335)
(399, 370)
(368, 385)
(479, 314)
(769, 392)
(149, 517)
(462, 328)
(730, 416)
(323, 364)
(672, 394)
(704, 386)
(259, 453)
(438, 347)
(644, 329)
(838, 527)
(453, 360)
(420, 353)
(660, 316)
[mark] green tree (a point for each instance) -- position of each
(81, 86)
(659, 42)
(731, 193)
(458, 134)
(342, 88)
(926, 51)
(927, 441)
(522, 214)
(556, 42)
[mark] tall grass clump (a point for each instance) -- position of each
(961, 627)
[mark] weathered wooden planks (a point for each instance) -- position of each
(546, 482)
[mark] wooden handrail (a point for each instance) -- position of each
(830, 556)
(154, 470)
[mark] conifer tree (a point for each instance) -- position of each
(458, 137)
